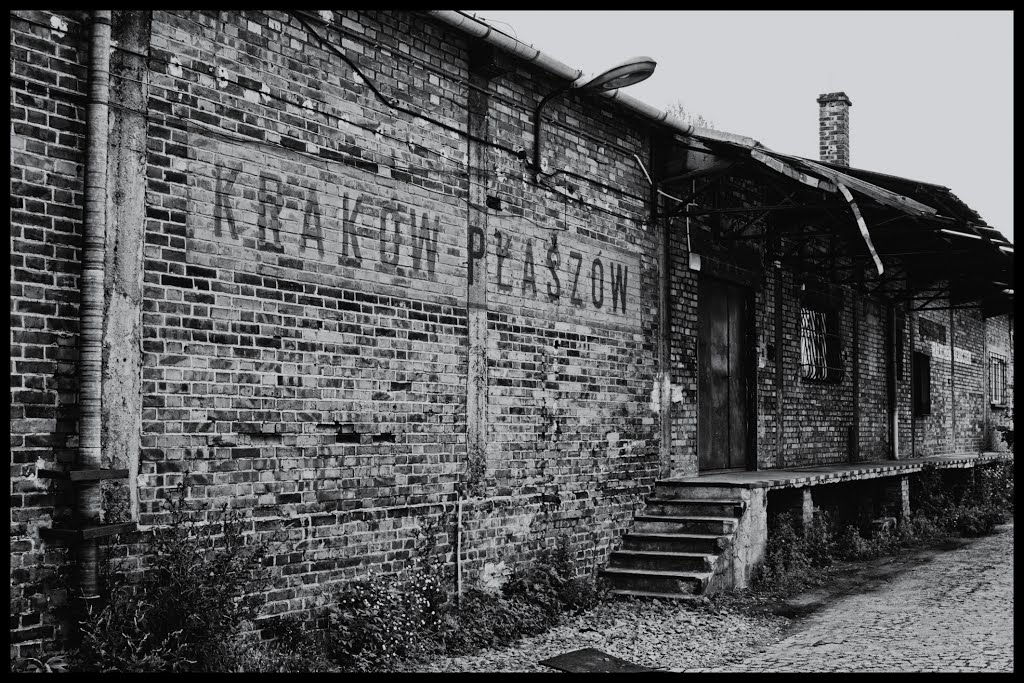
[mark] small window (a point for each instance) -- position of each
(922, 384)
(821, 357)
(997, 379)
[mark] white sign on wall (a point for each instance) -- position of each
(941, 352)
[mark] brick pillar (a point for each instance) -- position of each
(834, 127)
(896, 495)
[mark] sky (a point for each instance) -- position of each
(932, 91)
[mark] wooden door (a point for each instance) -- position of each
(722, 376)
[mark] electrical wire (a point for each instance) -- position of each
(376, 131)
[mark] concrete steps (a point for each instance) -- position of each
(672, 551)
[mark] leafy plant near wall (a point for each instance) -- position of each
(44, 664)
(971, 509)
(378, 623)
(186, 611)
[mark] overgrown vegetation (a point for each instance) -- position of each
(797, 558)
(376, 624)
(194, 607)
(185, 611)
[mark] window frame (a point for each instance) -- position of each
(997, 361)
(824, 344)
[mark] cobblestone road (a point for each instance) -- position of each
(951, 612)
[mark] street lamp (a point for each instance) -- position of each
(621, 75)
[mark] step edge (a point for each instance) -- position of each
(663, 573)
(635, 592)
(645, 517)
(719, 501)
(648, 534)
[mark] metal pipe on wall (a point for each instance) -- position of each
(88, 505)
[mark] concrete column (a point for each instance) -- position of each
(121, 389)
(476, 293)
(806, 509)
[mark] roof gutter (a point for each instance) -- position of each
(475, 28)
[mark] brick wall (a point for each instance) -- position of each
(47, 144)
(958, 379)
(327, 278)
(872, 396)
(305, 315)
(999, 343)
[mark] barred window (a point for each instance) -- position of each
(997, 378)
(820, 346)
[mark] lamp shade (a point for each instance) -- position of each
(631, 71)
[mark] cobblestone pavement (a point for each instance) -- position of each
(953, 612)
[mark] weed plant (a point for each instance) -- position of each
(185, 612)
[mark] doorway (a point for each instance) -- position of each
(723, 376)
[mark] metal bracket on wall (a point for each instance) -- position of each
(92, 531)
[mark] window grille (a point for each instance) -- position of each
(820, 346)
(997, 378)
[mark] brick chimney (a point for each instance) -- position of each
(834, 127)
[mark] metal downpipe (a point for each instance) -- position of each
(90, 355)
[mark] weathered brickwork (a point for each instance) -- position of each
(999, 344)
(48, 82)
(346, 279)
(969, 380)
(956, 344)
(872, 397)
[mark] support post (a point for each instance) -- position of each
(476, 296)
(122, 287)
(896, 495)
(855, 446)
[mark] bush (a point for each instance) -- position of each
(787, 564)
(185, 614)
(484, 619)
(550, 581)
(293, 649)
(795, 558)
(376, 623)
(970, 509)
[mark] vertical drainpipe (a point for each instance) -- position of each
(90, 354)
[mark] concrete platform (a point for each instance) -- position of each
(796, 477)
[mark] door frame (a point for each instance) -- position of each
(748, 357)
